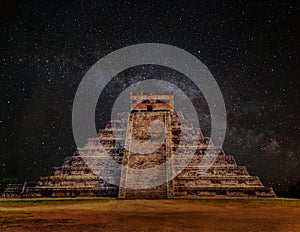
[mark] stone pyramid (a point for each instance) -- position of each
(95, 171)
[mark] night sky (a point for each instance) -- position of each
(250, 47)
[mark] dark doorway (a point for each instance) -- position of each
(149, 108)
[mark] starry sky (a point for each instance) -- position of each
(250, 47)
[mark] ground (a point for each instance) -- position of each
(149, 215)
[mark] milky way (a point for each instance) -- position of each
(250, 47)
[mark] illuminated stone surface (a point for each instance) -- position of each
(79, 174)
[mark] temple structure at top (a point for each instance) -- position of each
(151, 101)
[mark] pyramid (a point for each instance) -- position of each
(98, 170)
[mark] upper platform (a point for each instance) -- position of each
(151, 101)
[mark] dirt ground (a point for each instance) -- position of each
(150, 215)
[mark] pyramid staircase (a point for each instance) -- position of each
(223, 179)
(98, 170)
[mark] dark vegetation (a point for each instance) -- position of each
(293, 192)
(4, 182)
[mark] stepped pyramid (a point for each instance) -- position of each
(98, 170)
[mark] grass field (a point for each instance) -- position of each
(103, 214)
